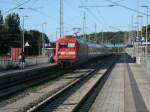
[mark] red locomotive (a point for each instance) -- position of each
(71, 51)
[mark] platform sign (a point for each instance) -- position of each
(140, 39)
(137, 39)
(144, 43)
(143, 39)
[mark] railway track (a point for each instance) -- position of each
(17, 86)
(10, 89)
(70, 98)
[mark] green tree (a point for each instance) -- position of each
(1, 21)
(12, 23)
(34, 38)
(1, 18)
(10, 33)
(144, 31)
(11, 36)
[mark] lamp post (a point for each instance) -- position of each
(134, 43)
(21, 8)
(137, 34)
(61, 19)
(137, 37)
(141, 22)
(57, 32)
(140, 49)
(102, 41)
(146, 28)
(43, 38)
(84, 25)
(23, 45)
(56, 35)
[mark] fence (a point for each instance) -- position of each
(6, 63)
(144, 60)
(36, 60)
(146, 63)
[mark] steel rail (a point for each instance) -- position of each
(64, 91)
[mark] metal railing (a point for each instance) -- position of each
(7, 63)
(145, 61)
(36, 60)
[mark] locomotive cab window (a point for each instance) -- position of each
(63, 45)
(71, 45)
(67, 45)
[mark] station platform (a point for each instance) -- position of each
(127, 89)
(26, 69)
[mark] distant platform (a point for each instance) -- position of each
(116, 45)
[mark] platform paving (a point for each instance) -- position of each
(33, 67)
(126, 90)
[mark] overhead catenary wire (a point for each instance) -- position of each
(96, 6)
(48, 16)
(103, 23)
(25, 6)
(33, 3)
(30, 8)
(128, 8)
(104, 20)
(120, 0)
(65, 23)
(95, 17)
(40, 12)
(16, 7)
(71, 7)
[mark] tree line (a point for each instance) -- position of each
(11, 35)
(105, 37)
(119, 37)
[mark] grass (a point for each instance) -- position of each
(118, 50)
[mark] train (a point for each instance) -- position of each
(73, 51)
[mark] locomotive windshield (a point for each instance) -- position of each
(63, 45)
(71, 45)
(67, 45)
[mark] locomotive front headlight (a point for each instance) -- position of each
(59, 53)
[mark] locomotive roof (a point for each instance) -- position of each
(68, 39)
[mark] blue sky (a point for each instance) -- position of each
(48, 11)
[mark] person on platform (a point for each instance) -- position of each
(51, 58)
(23, 60)
(20, 60)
